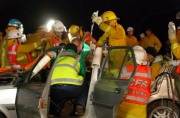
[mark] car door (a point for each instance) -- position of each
(110, 88)
(29, 95)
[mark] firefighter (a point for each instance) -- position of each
(151, 41)
(113, 32)
(19, 54)
(76, 31)
(13, 24)
(67, 79)
(135, 103)
(175, 47)
(109, 25)
(131, 40)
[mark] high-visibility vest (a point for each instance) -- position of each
(66, 70)
(139, 89)
(12, 55)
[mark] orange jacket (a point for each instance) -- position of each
(139, 89)
(131, 41)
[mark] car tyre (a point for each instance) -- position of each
(162, 109)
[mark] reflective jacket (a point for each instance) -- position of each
(117, 35)
(139, 89)
(12, 56)
(66, 70)
(152, 41)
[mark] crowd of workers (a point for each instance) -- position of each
(22, 50)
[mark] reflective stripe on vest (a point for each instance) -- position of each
(175, 45)
(128, 74)
(66, 80)
(137, 99)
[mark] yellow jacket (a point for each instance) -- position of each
(117, 36)
(26, 48)
(175, 48)
(152, 41)
(131, 41)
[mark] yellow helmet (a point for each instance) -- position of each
(108, 15)
(74, 29)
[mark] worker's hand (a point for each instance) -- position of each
(171, 31)
(97, 20)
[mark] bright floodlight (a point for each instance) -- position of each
(49, 24)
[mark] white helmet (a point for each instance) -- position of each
(130, 29)
(14, 34)
(141, 55)
(58, 26)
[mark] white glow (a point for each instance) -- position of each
(8, 96)
(49, 24)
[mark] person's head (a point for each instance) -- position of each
(17, 24)
(71, 46)
(148, 32)
(78, 43)
(130, 31)
(142, 35)
(15, 35)
(58, 28)
(140, 55)
(75, 31)
(110, 18)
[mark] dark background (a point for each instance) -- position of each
(136, 13)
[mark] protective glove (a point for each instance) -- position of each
(171, 31)
(97, 20)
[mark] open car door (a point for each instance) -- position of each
(32, 95)
(110, 87)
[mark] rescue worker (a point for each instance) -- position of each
(151, 41)
(67, 79)
(175, 47)
(19, 54)
(135, 103)
(58, 33)
(113, 32)
(142, 36)
(13, 24)
(108, 23)
(76, 31)
(131, 40)
(84, 52)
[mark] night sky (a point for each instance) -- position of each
(136, 13)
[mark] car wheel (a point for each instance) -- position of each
(162, 109)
